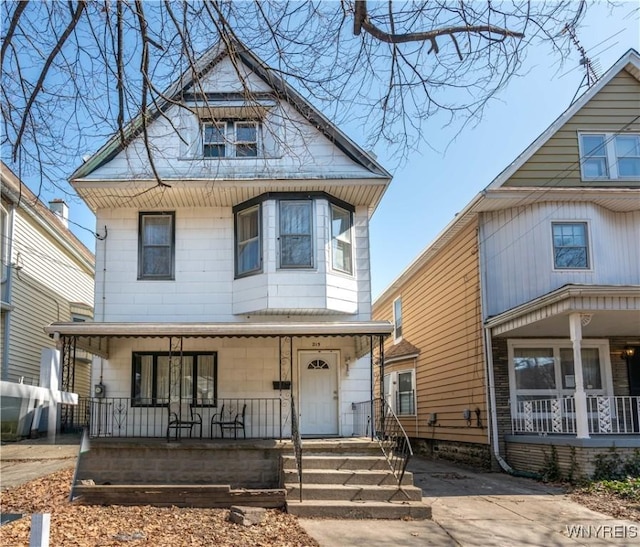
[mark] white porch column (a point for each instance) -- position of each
(582, 424)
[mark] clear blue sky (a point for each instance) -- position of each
(433, 186)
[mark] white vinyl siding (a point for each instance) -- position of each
(518, 252)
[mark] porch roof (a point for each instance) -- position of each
(93, 336)
(611, 310)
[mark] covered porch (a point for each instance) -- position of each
(244, 380)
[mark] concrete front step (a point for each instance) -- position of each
(338, 462)
(338, 492)
(346, 477)
(359, 510)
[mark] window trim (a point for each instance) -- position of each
(556, 344)
(236, 214)
(194, 400)
(5, 259)
(610, 155)
(589, 266)
(311, 235)
(332, 207)
(160, 277)
(392, 378)
(397, 337)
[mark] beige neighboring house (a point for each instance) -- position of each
(47, 275)
(518, 328)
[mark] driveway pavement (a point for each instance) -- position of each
(485, 509)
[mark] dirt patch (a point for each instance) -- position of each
(608, 503)
(78, 525)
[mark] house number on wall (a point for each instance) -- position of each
(315, 344)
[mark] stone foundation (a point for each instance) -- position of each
(473, 454)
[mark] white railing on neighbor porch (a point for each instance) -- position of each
(606, 415)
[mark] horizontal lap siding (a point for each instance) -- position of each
(556, 163)
(441, 317)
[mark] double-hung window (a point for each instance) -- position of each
(341, 253)
(399, 388)
(248, 241)
(296, 245)
(156, 242)
(397, 319)
(214, 140)
(570, 246)
(609, 156)
(231, 139)
(159, 376)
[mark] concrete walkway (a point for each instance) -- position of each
(476, 508)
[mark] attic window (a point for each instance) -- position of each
(609, 156)
(231, 139)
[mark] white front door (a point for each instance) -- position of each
(318, 392)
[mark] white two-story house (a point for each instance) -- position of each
(233, 269)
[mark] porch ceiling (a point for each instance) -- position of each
(609, 311)
(93, 337)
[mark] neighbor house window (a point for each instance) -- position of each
(570, 245)
(248, 241)
(239, 139)
(397, 318)
(4, 243)
(341, 253)
(156, 246)
(544, 369)
(405, 397)
(399, 389)
(609, 156)
(295, 235)
(194, 378)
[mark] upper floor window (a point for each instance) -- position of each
(296, 245)
(341, 255)
(156, 245)
(570, 245)
(248, 241)
(609, 156)
(397, 318)
(239, 139)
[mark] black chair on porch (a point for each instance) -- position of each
(230, 421)
(182, 416)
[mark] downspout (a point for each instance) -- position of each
(6, 339)
(488, 350)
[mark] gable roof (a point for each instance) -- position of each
(281, 88)
(19, 194)
(630, 62)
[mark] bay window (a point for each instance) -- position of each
(248, 241)
(295, 235)
(341, 254)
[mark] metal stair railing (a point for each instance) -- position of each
(297, 443)
(392, 438)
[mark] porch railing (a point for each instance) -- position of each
(122, 417)
(606, 415)
(387, 430)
